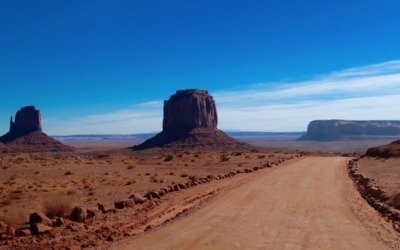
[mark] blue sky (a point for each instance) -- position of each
(106, 66)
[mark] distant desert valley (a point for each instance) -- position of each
(334, 185)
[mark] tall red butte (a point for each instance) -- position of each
(190, 121)
(26, 134)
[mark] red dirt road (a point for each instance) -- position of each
(307, 204)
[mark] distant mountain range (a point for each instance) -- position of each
(145, 136)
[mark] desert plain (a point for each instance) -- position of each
(305, 200)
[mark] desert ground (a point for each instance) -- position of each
(305, 200)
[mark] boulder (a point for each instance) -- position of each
(58, 222)
(374, 192)
(358, 176)
(40, 228)
(92, 213)
(6, 229)
(155, 195)
(23, 232)
(40, 217)
(103, 208)
(124, 204)
(79, 214)
(137, 198)
(396, 201)
(365, 181)
(181, 185)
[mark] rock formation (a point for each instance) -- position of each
(27, 120)
(385, 151)
(332, 130)
(26, 134)
(190, 121)
(189, 109)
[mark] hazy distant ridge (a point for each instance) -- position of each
(144, 136)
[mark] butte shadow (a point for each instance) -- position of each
(190, 121)
(26, 134)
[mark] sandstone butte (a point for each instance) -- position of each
(26, 134)
(332, 130)
(190, 121)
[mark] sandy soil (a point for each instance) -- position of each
(27, 180)
(384, 171)
(306, 204)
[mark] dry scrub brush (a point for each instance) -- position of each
(169, 157)
(57, 205)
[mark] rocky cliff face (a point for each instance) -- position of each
(190, 121)
(189, 109)
(27, 120)
(331, 130)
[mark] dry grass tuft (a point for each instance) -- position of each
(156, 179)
(224, 158)
(57, 205)
(169, 157)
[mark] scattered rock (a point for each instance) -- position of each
(79, 214)
(40, 217)
(124, 204)
(92, 212)
(58, 222)
(40, 228)
(6, 229)
(103, 208)
(396, 201)
(23, 232)
(138, 199)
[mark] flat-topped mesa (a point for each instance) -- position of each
(189, 109)
(27, 120)
(331, 130)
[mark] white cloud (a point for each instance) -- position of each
(362, 93)
(296, 116)
(378, 79)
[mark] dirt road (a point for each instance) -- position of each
(303, 205)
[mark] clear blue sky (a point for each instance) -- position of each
(105, 66)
